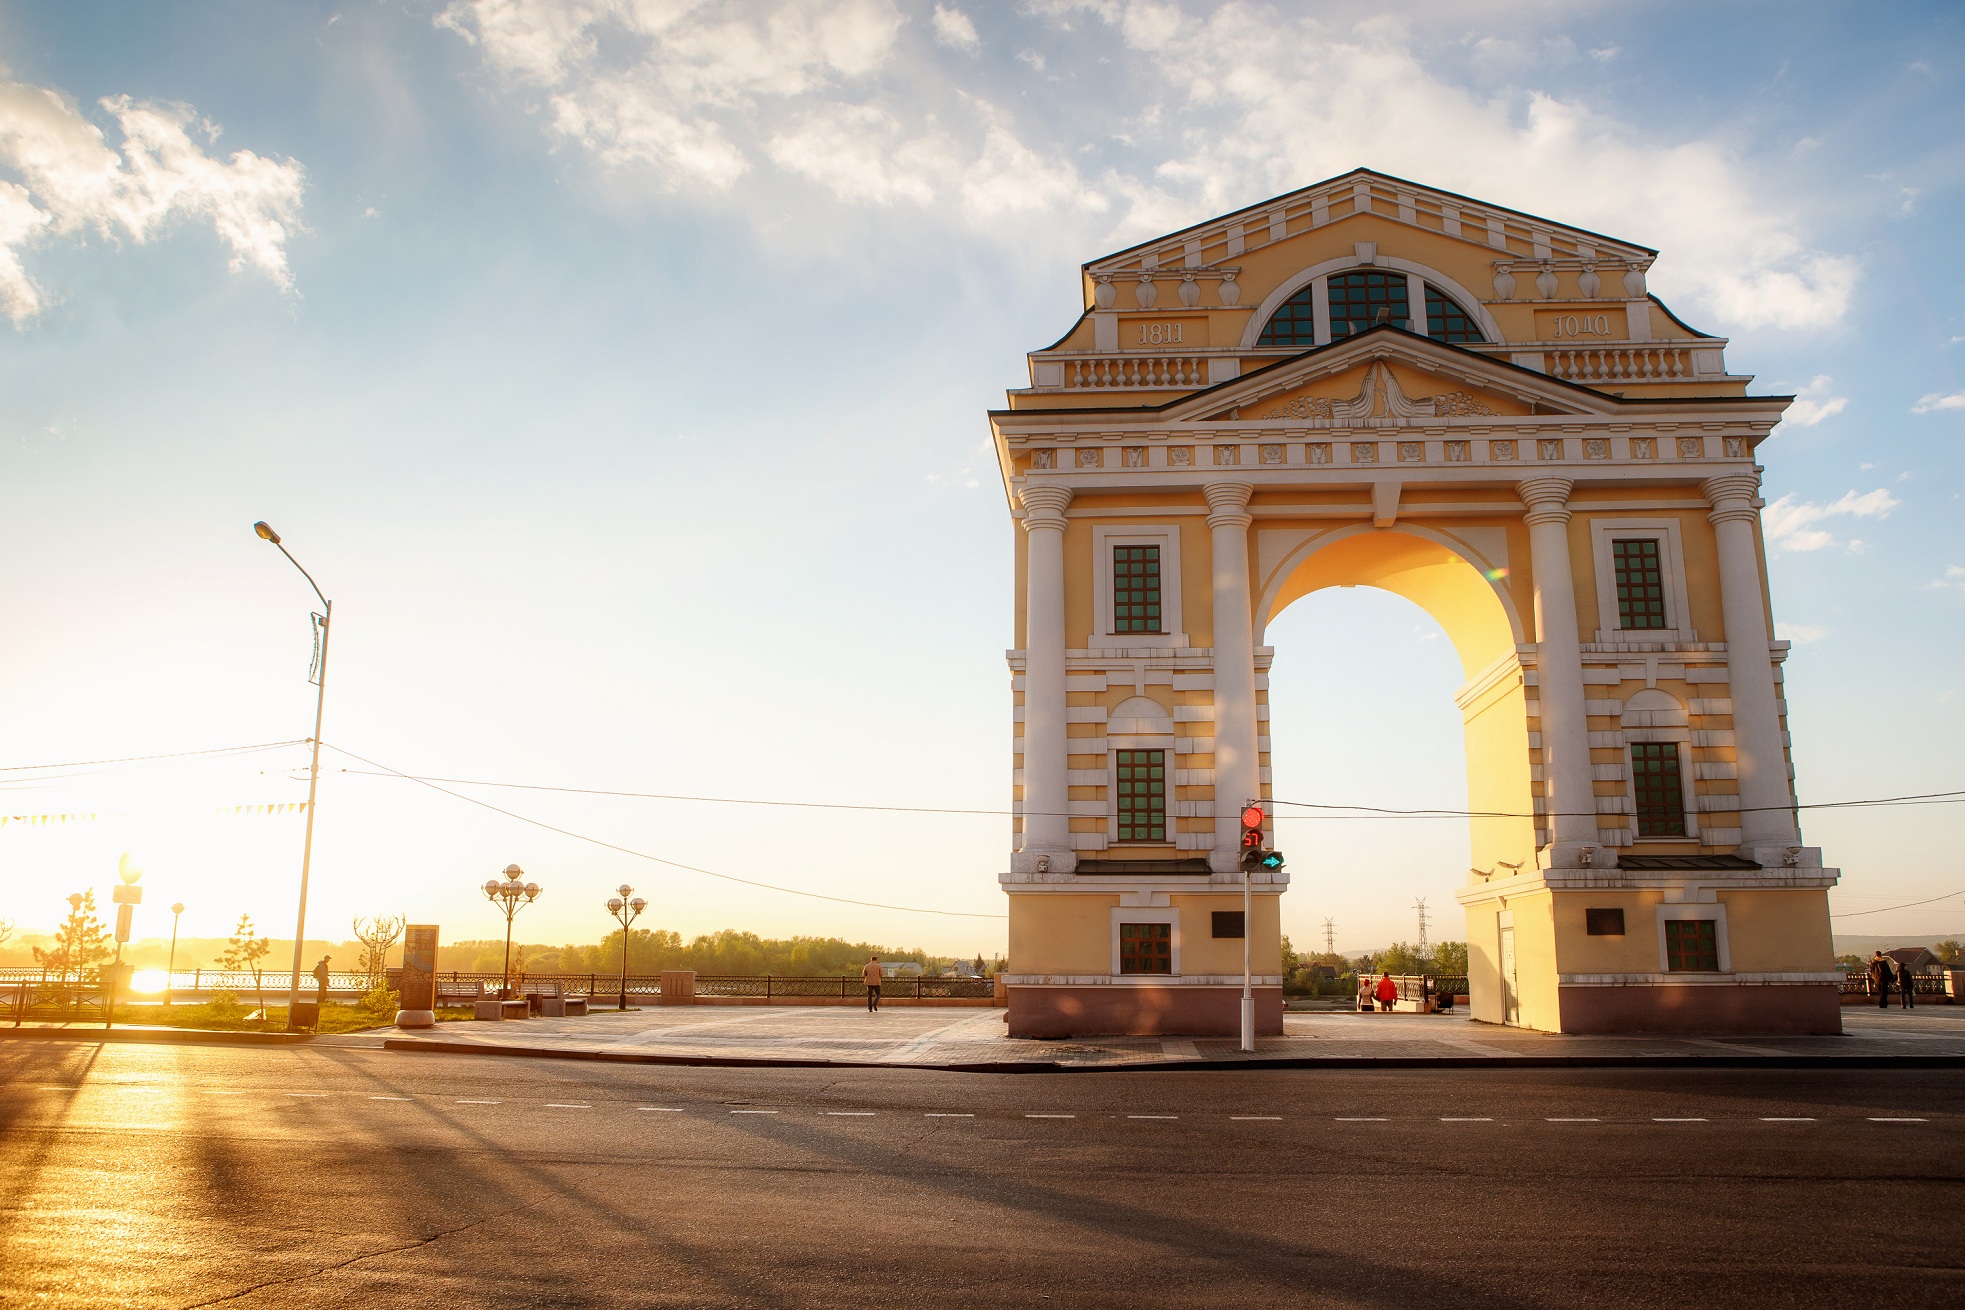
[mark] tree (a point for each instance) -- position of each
(1290, 958)
(1450, 958)
(244, 950)
(376, 935)
(81, 943)
(1947, 950)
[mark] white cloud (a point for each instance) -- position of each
(954, 29)
(685, 104)
(72, 182)
(1801, 634)
(1789, 524)
(1604, 54)
(1813, 403)
(1953, 580)
(1032, 58)
(1934, 401)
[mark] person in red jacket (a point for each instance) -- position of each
(1388, 992)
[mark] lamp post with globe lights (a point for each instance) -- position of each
(626, 908)
(510, 894)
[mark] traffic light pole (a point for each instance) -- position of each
(1248, 934)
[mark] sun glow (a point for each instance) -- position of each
(150, 981)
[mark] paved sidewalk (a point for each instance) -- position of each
(970, 1038)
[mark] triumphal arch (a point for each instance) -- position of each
(1372, 382)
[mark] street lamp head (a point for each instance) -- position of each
(614, 905)
(532, 891)
(625, 890)
(512, 872)
(266, 532)
(637, 905)
(128, 869)
(491, 887)
(178, 908)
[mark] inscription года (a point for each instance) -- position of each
(1557, 326)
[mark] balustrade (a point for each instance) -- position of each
(1619, 364)
(1136, 372)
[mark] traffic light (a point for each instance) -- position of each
(1251, 835)
(1272, 860)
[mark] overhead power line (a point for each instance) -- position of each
(655, 859)
(1857, 914)
(168, 755)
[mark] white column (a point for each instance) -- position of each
(1559, 676)
(1766, 800)
(1237, 775)
(1046, 791)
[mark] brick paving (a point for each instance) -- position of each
(927, 1036)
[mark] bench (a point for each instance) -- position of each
(550, 1001)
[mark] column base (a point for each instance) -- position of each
(1136, 1011)
(416, 1018)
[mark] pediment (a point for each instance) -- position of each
(1387, 376)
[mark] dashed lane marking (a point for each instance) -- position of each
(753, 1112)
(1050, 1116)
(1894, 1119)
(661, 1109)
(1359, 1119)
(1153, 1116)
(850, 1114)
(392, 1098)
(1786, 1119)
(306, 1093)
(480, 1103)
(1251, 1118)
(947, 1114)
(1465, 1119)
(1662, 1120)
(1573, 1121)
(566, 1105)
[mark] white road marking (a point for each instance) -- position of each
(1245, 1118)
(480, 1103)
(1778, 1119)
(1573, 1121)
(306, 1093)
(850, 1114)
(1465, 1119)
(391, 1098)
(1893, 1119)
(564, 1105)
(1361, 1119)
(947, 1114)
(753, 1112)
(1657, 1120)
(1050, 1116)
(661, 1109)
(1153, 1116)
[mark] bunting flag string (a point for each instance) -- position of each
(222, 811)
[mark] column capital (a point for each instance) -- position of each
(1547, 499)
(1228, 504)
(1044, 505)
(1733, 497)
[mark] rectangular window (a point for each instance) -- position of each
(1640, 583)
(1692, 946)
(1660, 794)
(1142, 783)
(1603, 923)
(1228, 923)
(1136, 589)
(1146, 948)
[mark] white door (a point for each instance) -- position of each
(1511, 1009)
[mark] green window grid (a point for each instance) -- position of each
(1136, 589)
(1356, 298)
(1692, 946)
(1142, 792)
(1660, 792)
(1146, 948)
(1294, 323)
(1446, 321)
(1640, 583)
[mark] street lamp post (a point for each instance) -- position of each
(266, 533)
(510, 894)
(170, 970)
(625, 910)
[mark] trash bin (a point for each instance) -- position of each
(304, 1017)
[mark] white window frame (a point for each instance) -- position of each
(1137, 914)
(1167, 538)
(1713, 910)
(1671, 561)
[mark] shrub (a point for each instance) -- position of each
(380, 1005)
(225, 1007)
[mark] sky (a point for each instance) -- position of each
(619, 368)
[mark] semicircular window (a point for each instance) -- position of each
(1295, 321)
(1446, 321)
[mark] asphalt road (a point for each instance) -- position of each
(188, 1176)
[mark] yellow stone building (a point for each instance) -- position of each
(1370, 382)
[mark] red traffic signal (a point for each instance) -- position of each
(1251, 828)
(1252, 816)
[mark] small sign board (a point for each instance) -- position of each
(419, 985)
(126, 895)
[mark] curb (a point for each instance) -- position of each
(1741, 1061)
(161, 1036)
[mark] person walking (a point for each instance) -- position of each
(870, 975)
(1364, 992)
(1388, 992)
(321, 981)
(1906, 986)
(1879, 979)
